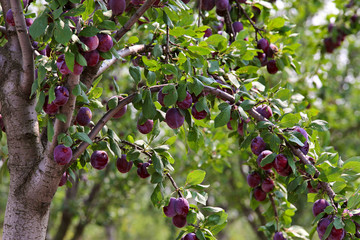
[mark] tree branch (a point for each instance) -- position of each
(122, 53)
(119, 34)
(242, 10)
(229, 26)
(26, 48)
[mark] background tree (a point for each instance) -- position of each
(200, 99)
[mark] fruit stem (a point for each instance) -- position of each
(275, 211)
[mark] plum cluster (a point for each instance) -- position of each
(177, 209)
(61, 98)
(261, 187)
(174, 118)
(337, 36)
(269, 52)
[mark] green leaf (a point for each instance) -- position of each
(62, 32)
(41, 101)
(338, 223)
(115, 147)
(148, 109)
(268, 159)
(90, 7)
(156, 196)
(50, 130)
(199, 50)
(83, 137)
(61, 117)
(171, 95)
(195, 177)
(158, 164)
(276, 23)
(135, 73)
(151, 77)
(319, 125)
(294, 139)
(38, 27)
(200, 235)
(89, 31)
(70, 60)
(350, 226)
(224, 116)
(289, 120)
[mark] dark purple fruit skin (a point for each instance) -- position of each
(253, 179)
(84, 116)
(264, 110)
(105, 42)
(319, 206)
(208, 32)
(146, 127)
(169, 210)
(117, 6)
(262, 155)
(91, 42)
(286, 172)
(92, 58)
(279, 236)
(186, 103)
(63, 179)
(198, 115)
(62, 154)
(123, 165)
(280, 163)
(259, 194)
(121, 112)
(61, 95)
(271, 67)
(61, 65)
(10, 18)
(51, 108)
(142, 170)
(222, 5)
(99, 159)
(267, 185)
(161, 96)
(2, 125)
(238, 26)
(174, 118)
(190, 236)
(186, 1)
(263, 44)
(257, 145)
(179, 221)
(335, 234)
(305, 149)
(302, 131)
(182, 206)
(207, 5)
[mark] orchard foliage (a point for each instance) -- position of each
(197, 72)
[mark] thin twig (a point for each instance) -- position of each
(119, 34)
(167, 52)
(229, 26)
(257, 29)
(275, 210)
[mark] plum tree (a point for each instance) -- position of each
(257, 145)
(61, 96)
(253, 179)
